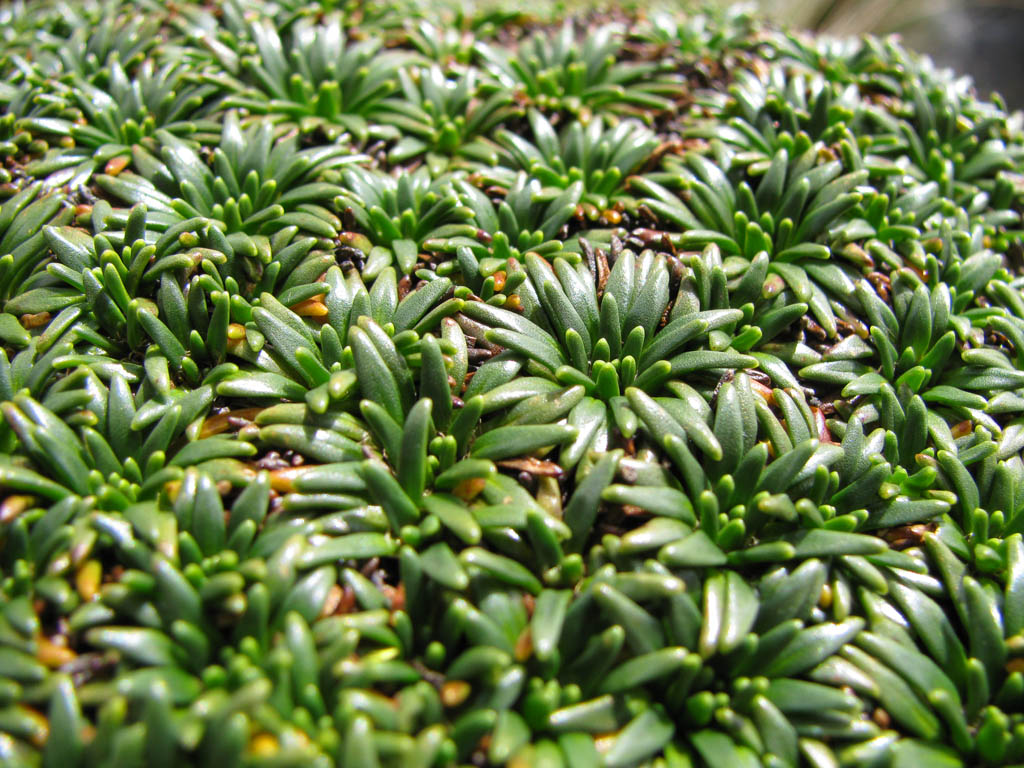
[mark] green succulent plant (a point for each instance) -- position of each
(555, 72)
(389, 386)
(317, 78)
(103, 125)
(590, 164)
(440, 42)
(527, 218)
(445, 118)
(254, 186)
(395, 217)
(702, 35)
(82, 39)
(765, 117)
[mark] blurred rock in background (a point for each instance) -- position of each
(984, 39)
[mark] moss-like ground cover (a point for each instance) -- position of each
(384, 387)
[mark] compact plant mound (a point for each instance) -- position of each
(474, 388)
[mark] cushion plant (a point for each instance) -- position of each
(389, 387)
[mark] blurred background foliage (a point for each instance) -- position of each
(980, 37)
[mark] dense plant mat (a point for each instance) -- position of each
(392, 388)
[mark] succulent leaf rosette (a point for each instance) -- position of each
(472, 386)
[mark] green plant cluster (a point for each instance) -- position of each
(383, 387)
